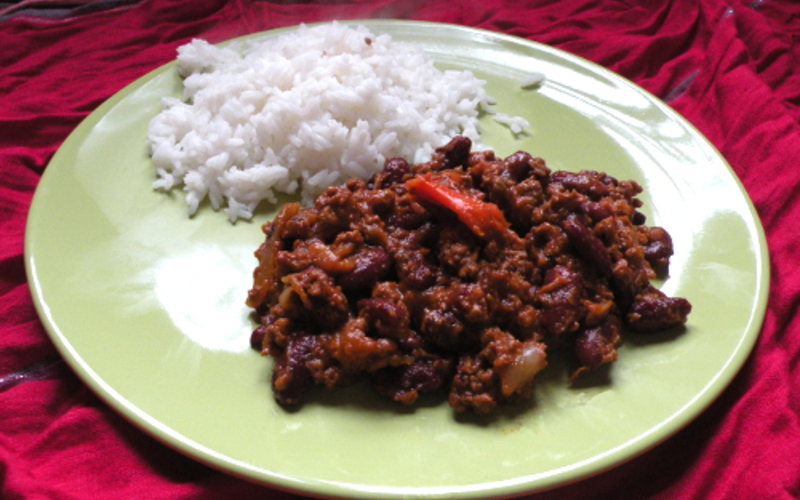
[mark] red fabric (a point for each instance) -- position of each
(731, 67)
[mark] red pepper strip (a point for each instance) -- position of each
(483, 219)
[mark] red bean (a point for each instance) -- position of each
(653, 311)
(583, 182)
(597, 211)
(588, 245)
(408, 220)
(394, 169)
(597, 346)
(372, 264)
(421, 376)
(257, 338)
(659, 249)
(404, 383)
(291, 377)
(456, 152)
(518, 165)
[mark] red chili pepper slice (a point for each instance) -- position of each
(482, 218)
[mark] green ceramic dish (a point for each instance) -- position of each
(147, 305)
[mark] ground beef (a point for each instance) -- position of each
(457, 275)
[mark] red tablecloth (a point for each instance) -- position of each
(730, 67)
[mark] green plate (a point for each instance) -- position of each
(147, 305)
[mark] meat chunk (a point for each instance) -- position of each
(504, 369)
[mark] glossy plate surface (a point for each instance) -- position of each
(147, 305)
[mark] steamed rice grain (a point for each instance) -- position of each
(305, 111)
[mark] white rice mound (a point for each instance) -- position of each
(305, 111)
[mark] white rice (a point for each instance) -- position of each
(307, 110)
(535, 79)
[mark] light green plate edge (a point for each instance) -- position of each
(146, 305)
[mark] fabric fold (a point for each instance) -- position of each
(730, 67)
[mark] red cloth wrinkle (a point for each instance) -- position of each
(729, 66)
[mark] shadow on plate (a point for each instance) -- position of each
(648, 339)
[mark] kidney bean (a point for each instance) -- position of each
(372, 263)
(518, 165)
(404, 383)
(291, 377)
(257, 338)
(587, 245)
(422, 376)
(456, 152)
(659, 249)
(597, 211)
(597, 346)
(394, 169)
(408, 220)
(583, 182)
(653, 311)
